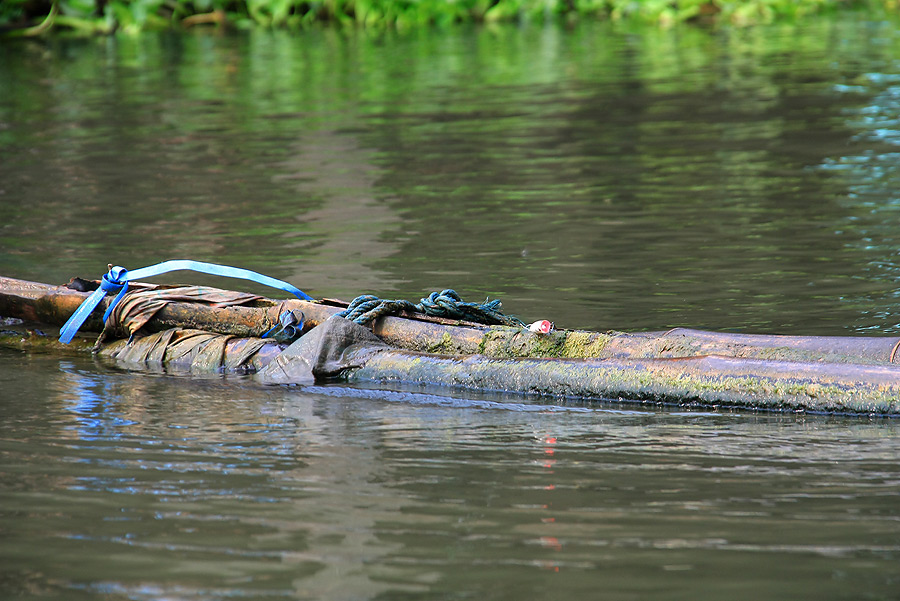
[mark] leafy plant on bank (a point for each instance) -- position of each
(35, 17)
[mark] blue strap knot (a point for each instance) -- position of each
(113, 281)
(290, 325)
(116, 280)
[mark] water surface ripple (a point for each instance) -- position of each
(129, 486)
(599, 176)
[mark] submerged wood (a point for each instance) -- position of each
(215, 353)
(196, 351)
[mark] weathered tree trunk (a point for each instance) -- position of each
(816, 373)
(54, 304)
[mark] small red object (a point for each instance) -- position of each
(541, 327)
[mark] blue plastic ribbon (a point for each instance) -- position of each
(116, 280)
(290, 324)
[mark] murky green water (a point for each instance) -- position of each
(599, 177)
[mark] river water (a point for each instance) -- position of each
(599, 176)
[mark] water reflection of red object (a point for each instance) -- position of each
(549, 441)
(552, 542)
(548, 565)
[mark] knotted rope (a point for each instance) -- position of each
(447, 304)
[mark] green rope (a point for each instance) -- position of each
(447, 304)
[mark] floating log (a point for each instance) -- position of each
(704, 381)
(49, 304)
(811, 373)
(54, 305)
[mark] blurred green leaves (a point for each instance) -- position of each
(35, 17)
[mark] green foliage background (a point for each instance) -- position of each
(33, 17)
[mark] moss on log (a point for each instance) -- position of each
(704, 381)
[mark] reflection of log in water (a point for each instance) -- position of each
(333, 167)
(315, 529)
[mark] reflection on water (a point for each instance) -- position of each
(873, 206)
(597, 176)
(600, 177)
(133, 486)
(344, 234)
